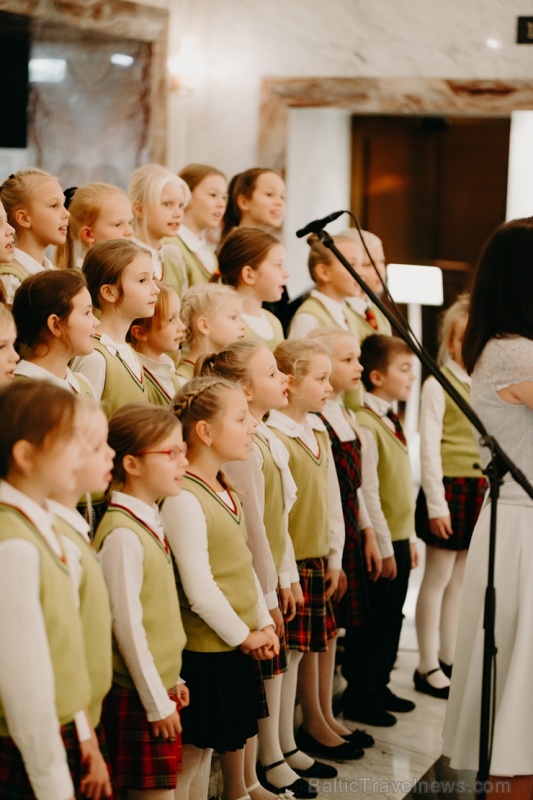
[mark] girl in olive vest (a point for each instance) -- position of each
(120, 278)
(447, 508)
(156, 341)
(47, 746)
(53, 313)
(253, 262)
(140, 713)
(224, 613)
(316, 527)
(267, 492)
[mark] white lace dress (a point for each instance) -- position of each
(503, 362)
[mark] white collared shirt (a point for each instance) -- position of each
(304, 323)
(199, 246)
(306, 432)
(27, 683)
(155, 255)
(35, 371)
(93, 366)
(163, 371)
(121, 558)
(432, 409)
(12, 283)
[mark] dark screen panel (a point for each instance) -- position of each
(15, 49)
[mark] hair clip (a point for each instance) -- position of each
(69, 194)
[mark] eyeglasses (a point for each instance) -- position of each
(173, 452)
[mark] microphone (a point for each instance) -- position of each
(318, 224)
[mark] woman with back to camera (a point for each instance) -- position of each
(498, 352)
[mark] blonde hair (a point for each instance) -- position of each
(17, 190)
(194, 174)
(159, 319)
(328, 335)
(84, 207)
(293, 356)
(320, 254)
(232, 363)
(147, 184)
(203, 300)
(200, 399)
(460, 309)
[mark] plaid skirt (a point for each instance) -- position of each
(354, 608)
(314, 622)
(14, 781)
(464, 497)
(278, 664)
(139, 760)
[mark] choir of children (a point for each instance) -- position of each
(208, 598)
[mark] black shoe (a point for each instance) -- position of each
(316, 770)
(446, 668)
(371, 715)
(340, 752)
(423, 685)
(300, 788)
(359, 738)
(391, 702)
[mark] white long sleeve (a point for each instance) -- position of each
(186, 529)
(370, 487)
(121, 558)
(27, 685)
(93, 367)
(432, 409)
(248, 479)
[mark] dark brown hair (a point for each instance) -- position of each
(37, 411)
(244, 184)
(501, 299)
(104, 264)
(377, 352)
(243, 247)
(193, 174)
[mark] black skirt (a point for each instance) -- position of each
(222, 712)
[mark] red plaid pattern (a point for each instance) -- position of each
(139, 760)
(354, 608)
(464, 497)
(314, 622)
(14, 782)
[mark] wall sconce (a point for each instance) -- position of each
(188, 69)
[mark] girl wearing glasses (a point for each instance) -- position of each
(141, 712)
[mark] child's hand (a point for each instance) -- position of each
(277, 619)
(297, 593)
(331, 580)
(373, 560)
(273, 638)
(168, 728)
(413, 550)
(95, 782)
(389, 570)
(288, 604)
(342, 586)
(182, 695)
(441, 527)
(254, 640)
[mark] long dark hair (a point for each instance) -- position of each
(502, 289)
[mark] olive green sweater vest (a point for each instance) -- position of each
(161, 614)
(61, 619)
(185, 370)
(394, 476)
(309, 516)
(274, 512)
(364, 328)
(278, 337)
(319, 311)
(458, 447)
(231, 564)
(15, 269)
(195, 271)
(121, 385)
(95, 617)
(157, 394)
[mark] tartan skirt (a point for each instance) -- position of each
(224, 699)
(14, 781)
(354, 608)
(314, 622)
(139, 760)
(464, 497)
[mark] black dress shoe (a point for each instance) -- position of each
(359, 738)
(423, 685)
(391, 702)
(446, 668)
(370, 715)
(340, 752)
(300, 788)
(316, 770)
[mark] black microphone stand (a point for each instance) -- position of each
(498, 466)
